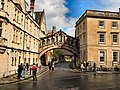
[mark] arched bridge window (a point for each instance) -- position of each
(52, 40)
(48, 41)
(43, 43)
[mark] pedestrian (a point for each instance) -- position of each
(34, 70)
(23, 71)
(19, 71)
(30, 70)
(81, 67)
(50, 65)
(53, 65)
(27, 66)
(94, 68)
(85, 68)
(21, 67)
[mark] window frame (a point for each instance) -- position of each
(113, 26)
(101, 39)
(113, 42)
(115, 61)
(101, 26)
(102, 57)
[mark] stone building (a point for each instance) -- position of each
(20, 35)
(99, 35)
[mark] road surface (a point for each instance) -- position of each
(62, 78)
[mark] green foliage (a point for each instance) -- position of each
(57, 53)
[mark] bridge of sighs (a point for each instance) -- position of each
(59, 40)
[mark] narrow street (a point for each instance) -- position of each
(62, 78)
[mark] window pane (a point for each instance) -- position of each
(101, 38)
(102, 56)
(115, 56)
(114, 24)
(101, 23)
(115, 38)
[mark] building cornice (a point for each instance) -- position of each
(99, 14)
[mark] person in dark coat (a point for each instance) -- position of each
(27, 66)
(94, 68)
(50, 65)
(19, 71)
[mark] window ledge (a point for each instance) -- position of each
(115, 61)
(101, 42)
(114, 43)
(101, 27)
(114, 27)
(101, 62)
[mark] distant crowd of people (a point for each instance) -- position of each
(84, 66)
(22, 68)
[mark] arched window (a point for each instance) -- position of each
(52, 40)
(48, 41)
(43, 43)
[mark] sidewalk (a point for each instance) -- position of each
(108, 72)
(98, 72)
(13, 78)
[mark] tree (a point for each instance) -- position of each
(57, 54)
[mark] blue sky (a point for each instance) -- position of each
(64, 13)
(78, 7)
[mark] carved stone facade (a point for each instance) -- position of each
(19, 36)
(59, 40)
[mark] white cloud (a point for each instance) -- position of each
(55, 11)
(70, 31)
(71, 27)
(111, 5)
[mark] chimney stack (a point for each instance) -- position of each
(32, 2)
(54, 29)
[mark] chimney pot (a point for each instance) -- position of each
(32, 2)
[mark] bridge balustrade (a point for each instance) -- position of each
(59, 40)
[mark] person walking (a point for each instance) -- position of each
(19, 72)
(50, 65)
(53, 65)
(34, 70)
(94, 68)
(27, 66)
(81, 67)
(23, 71)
